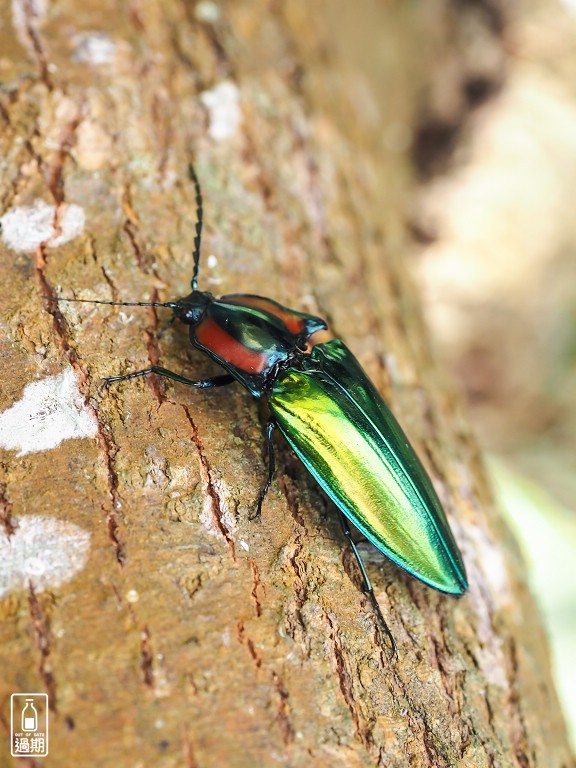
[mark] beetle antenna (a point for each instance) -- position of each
(169, 304)
(199, 215)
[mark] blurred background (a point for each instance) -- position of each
(497, 270)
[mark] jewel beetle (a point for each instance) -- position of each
(333, 418)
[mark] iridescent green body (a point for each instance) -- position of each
(346, 436)
(331, 415)
(336, 422)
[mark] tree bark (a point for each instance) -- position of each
(167, 627)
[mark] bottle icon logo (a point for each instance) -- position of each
(29, 724)
(29, 716)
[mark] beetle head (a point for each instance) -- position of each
(190, 310)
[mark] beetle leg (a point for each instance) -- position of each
(270, 427)
(214, 381)
(367, 583)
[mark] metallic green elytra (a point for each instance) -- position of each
(348, 439)
(331, 415)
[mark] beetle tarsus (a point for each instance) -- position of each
(384, 625)
(270, 427)
(368, 589)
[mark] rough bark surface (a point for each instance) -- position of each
(192, 635)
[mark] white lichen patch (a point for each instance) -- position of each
(207, 11)
(94, 48)
(43, 552)
(223, 105)
(50, 411)
(24, 228)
